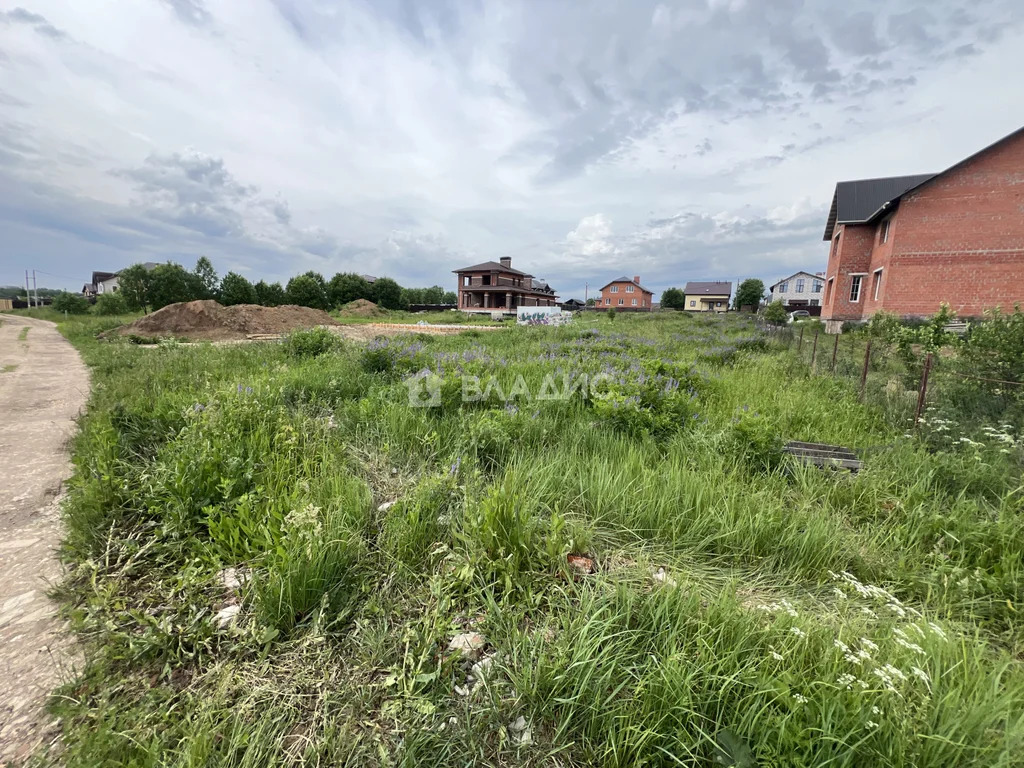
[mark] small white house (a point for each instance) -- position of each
(801, 289)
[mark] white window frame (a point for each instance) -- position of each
(629, 289)
(607, 302)
(693, 303)
(883, 234)
(878, 281)
(615, 289)
(621, 302)
(857, 281)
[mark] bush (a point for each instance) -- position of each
(312, 342)
(610, 312)
(110, 304)
(774, 314)
(72, 303)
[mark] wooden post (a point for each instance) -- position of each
(864, 373)
(922, 391)
(835, 351)
(814, 350)
(800, 343)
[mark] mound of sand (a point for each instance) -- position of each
(361, 308)
(210, 321)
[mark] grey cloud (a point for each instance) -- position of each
(39, 23)
(856, 34)
(191, 12)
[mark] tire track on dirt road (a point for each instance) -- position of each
(44, 386)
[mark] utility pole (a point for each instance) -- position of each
(35, 289)
(586, 292)
(28, 293)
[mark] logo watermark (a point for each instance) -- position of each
(424, 388)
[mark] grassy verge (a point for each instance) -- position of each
(271, 553)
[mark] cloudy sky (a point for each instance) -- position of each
(691, 140)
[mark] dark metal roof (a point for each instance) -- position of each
(855, 202)
(625, 279)
(709, 289)
(492, 266)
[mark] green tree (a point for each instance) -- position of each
(450, 297)
(592, 302)
(110, 304)
(270, 294)
(235, 289)
(750, 291)
(433, 295)
(207, 277)
(72, 303)
(305, 291)
(387, 293)
(345, 287)
(673, 298)
(134, 285)
(171, 284)
(411, 296)
(774, 314)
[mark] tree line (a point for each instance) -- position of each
(749, 292)
(141, 289)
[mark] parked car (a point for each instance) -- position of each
(798, 314)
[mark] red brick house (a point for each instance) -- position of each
(497, 287)
(905, 244)
(626, 294)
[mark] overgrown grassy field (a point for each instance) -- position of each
(741, 609)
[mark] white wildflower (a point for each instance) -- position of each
(868, 644)
(876, 711)
(846, 681)
(863, 655)
(798, 632)
(838, 593)
(872, 724)
(799, 699)
(777, 656)
(841, 645)
(937, 630)
(909, 646)
(921, 675)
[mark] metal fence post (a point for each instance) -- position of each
(814, 350)
(922, 391)
(864, 373)
(835, 351)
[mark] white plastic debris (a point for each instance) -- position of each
(227, 615)
(467, 643)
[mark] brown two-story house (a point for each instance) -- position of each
(629, 295)
(497, 287)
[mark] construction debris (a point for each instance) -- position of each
(823, 455)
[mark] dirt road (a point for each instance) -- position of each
(43, 387)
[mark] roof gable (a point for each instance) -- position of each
(492, 266)
(629, 280)
(794, 275)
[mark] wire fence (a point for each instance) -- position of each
(903, 381)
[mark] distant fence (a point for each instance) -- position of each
(431, 307)
(903, 384)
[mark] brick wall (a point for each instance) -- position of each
(958, 239)
(853, 254)
(644, 300)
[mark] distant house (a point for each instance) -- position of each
(369, 278)
(498, 287)
(799, 291)
(573, 305)
(707, 297)
(905, 244)
(624, 293)
(108, 282)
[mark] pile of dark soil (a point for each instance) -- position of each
(210, 321)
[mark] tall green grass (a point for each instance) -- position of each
(742, 609)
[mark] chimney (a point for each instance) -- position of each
(636, 279)
(506, 261)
